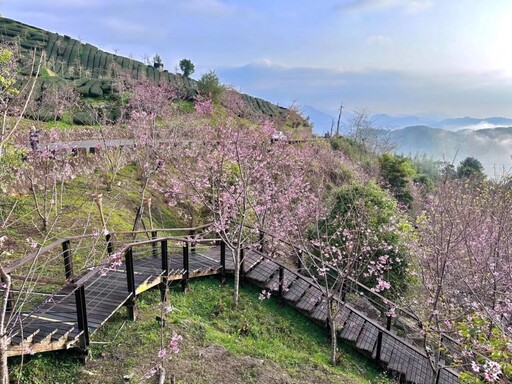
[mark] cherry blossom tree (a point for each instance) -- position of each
(464, 263)
(150, 108)
(14, 99)
(247, 183)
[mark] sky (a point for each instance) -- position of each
(445, 58)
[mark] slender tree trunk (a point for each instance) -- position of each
(334, 341)
(4, 369)
(236, 259)
(332, 329)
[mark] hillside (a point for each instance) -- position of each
(90, 69)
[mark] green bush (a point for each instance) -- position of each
(209, 85)
(85, 118)
(379, 212)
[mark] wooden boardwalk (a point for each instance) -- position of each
(85, 302)
(68, 317)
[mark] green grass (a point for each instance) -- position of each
(286, 341)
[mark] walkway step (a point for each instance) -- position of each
(320, 312)
(296, 290)
(367, 339)
(389, 343)
(352, 328)
(399, 360)
(289, 278)
(251, 260)
(310, 299)
(448, 376)
(263, 271)
(419, 370)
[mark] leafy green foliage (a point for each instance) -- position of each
(397, 172)
(470, 168)
(187, 67)
(381, 212)
(7, 81)
(209, 86)
(494, 351)
(157, 59)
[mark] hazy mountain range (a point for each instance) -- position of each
(492, 146)
(447, 139)
(322, 121)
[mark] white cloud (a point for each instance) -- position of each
(481, 125)
(408, 6)
(213, 8)
(379, 40)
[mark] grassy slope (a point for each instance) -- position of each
(262, 343)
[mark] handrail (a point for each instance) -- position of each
(322, 289)
(125, 247)
(171, 238)
(43, 250)
(161, 230)
(33, 256)
(379, 296)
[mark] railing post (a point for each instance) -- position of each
(388, 322)
(242, 263)
(130, 281)
(222, 262)
(81, 316)
(184, 282)
(379, 347)
(110, 243)
(165, 269)
(154, 235)
(281, 284)
(68, 261)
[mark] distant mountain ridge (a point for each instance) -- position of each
(451, 124)
(322, 121)
(492, 147)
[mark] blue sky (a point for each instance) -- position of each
(451, 57)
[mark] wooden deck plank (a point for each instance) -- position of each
(400, 359)
(353, 327)
(263, 271)
(367, 339)
(296, 290)
(419, 370)
(310, 299)
(320, 312)
(289, 278)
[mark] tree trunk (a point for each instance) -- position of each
(236, 259)
(334, 341)
(4, 368)
(331, 314)
(161, 376)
